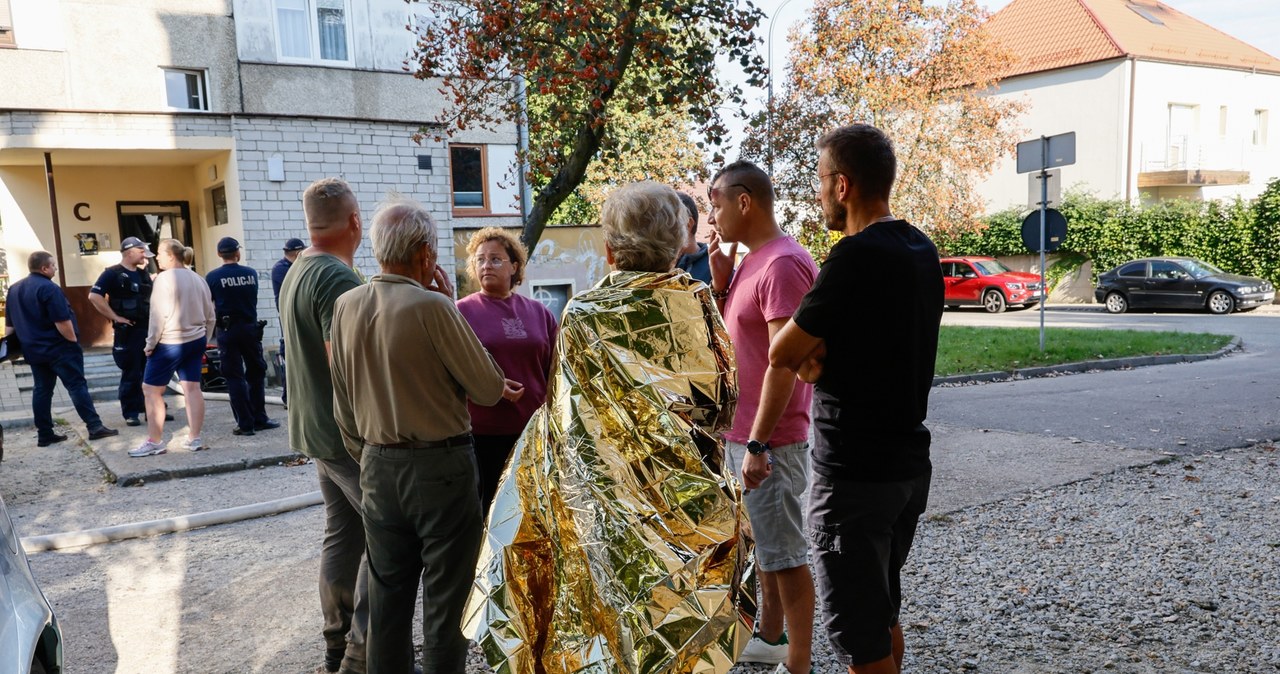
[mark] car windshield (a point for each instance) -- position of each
(1200, 269)
(989, 267)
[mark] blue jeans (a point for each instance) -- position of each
(69, 367)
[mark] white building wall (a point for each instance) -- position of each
(1090, 100)
(1207, 90)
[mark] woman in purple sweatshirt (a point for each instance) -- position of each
(520, 333)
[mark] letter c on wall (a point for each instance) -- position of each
(82, 217)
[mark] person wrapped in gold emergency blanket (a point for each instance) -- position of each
(615, 541)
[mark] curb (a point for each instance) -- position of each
(159, 474)
(1088, 366)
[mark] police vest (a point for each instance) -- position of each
(131, 297)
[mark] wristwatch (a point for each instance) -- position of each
(756, 448)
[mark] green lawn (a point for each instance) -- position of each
(969, 350)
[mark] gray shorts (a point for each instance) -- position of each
(777, 517)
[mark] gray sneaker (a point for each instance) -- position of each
(195, 445)
(759, 650)
(147, 448)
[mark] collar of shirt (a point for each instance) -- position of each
(394, 278)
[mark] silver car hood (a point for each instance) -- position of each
(24, 611)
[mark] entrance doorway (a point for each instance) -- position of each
(152, 221)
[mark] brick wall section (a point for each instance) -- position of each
(374, 157)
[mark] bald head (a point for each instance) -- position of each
(331, 210)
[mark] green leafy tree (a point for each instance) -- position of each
(587, 64)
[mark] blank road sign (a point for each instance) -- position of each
(1047, 152)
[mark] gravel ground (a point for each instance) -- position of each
(1173, 567)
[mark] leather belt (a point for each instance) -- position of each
(463, 440)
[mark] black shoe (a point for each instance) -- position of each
(266, 425)
(102, 432)
(52, 439)
(242, 431)
(132, 421)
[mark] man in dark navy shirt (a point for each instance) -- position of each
(40, 314)
(872, 367)
(235, 301)
(123, 295)
(292, 248)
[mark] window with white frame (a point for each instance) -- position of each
(185, 89)
(1260, 127)
(6, 25)
(313, 30)
(468, 175)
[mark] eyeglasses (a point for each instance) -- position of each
(816, 182)
(490, 261)
(713, 192)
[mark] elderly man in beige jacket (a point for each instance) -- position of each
(404, 363)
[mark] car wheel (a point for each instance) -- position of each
(993, 302)
(1116, 303)
(1221, 302)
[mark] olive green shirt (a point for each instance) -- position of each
(307, 296)
(404, 363)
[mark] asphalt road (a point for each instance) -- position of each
(1183, 408)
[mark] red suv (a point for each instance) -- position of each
(985, 282)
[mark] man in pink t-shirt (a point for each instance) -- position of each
(757, 299)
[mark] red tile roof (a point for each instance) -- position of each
(1050, 34)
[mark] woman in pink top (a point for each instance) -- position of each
(520, 333)
(182, 319)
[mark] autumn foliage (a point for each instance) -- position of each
(587, 65)
(917, 70)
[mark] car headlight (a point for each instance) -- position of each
(1013, 286)
(1245, 290)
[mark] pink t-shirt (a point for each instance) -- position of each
(520, 334)
(768, 285)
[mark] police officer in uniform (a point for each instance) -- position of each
(292, 249)
(123, 295)
(239, 336)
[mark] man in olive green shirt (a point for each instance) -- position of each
(404, 363)
(321, 274)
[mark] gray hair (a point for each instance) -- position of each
(644, 225)
(400, 225)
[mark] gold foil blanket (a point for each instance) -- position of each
(615, 540)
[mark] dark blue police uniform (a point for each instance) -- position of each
(33, 307)
(128, 292)
(235, 300)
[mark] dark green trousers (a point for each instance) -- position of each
(421, 521)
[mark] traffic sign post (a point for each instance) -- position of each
(1042, 154)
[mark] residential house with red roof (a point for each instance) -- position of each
(1163, 106)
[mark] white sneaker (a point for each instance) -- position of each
(759, 650)
(147, 448)
(782, 669)
(195, 445)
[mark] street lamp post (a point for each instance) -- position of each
(769, 112)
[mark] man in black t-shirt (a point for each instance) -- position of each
(872, 365)
(122, 294)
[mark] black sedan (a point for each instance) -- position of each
(1180, 283)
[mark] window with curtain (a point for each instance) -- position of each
(313, 30)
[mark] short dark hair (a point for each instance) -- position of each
(39, 260)
(750, 176)
(689, 205)
(863, 154)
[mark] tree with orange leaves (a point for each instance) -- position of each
(919, 71)
(587, 64)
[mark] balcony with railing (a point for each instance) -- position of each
(1185, 161)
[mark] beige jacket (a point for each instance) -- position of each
(404, 363)
(181, 308)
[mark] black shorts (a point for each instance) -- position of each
(860, 534)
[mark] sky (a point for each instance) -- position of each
(1256, 22)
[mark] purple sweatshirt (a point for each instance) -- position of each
(520, 333)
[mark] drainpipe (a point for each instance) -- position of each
(1128, 169)
(53, 210)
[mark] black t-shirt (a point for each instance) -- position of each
(128, 292)
(877, 302)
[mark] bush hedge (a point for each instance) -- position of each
(1239, 236)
